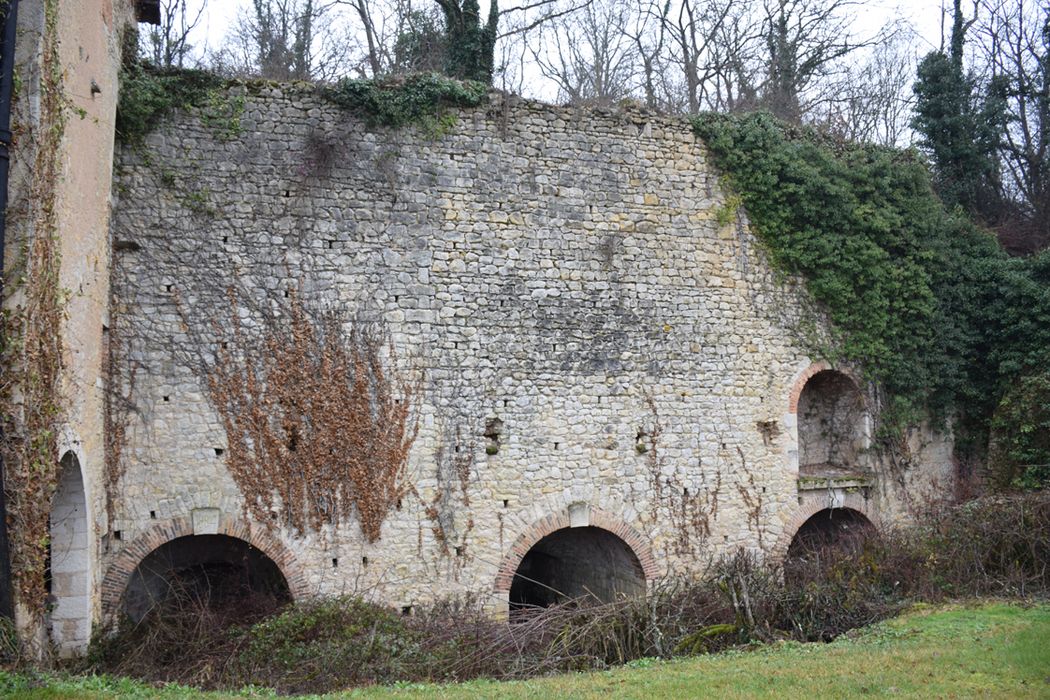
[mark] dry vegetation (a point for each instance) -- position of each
(998, 547)
(319, 421)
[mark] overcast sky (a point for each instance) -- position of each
(924, 16)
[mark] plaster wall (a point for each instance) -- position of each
(89, 37)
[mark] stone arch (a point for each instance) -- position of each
(124, 565)
(69, 561)
(829, 418)
(586, 520)
(828, 527)
(812, 506)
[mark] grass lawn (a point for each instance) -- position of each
(990, 650)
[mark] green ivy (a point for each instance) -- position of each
(1021, 454)
(925, 301)
(147, 94)
(423, 99)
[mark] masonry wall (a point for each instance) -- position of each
(574, 274)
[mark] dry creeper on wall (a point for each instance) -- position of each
(31, 348)
(319, 420)
(454, 465)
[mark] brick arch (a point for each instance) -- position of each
(560, 521)
(810, 507)
(119, 572)
(808, 373)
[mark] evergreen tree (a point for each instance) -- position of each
(960, 128)
(469, 43)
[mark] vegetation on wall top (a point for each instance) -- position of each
(937, 314)
(423, 99)
(148, 94)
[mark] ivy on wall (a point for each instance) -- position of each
(1020, 450)
(425, 100)
(148, 94)
(939, 316)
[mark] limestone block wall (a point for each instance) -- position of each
(573, 275)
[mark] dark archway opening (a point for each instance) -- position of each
(575, 563)
(831, 528)
(831, 424)
(214, 572)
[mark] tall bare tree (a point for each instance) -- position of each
(805, 40)
(589, 54)
(286, 40)
(1013, 37)
(873, 102)
(694, 28)
(168, 44)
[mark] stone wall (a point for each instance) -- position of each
(574, 274)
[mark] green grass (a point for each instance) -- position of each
(991, 650)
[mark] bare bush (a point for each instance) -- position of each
(990, 547)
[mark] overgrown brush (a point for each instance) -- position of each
(996, 546)
(185, 639)
(990, 547)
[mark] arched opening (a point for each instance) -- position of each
(830, 528)
(69, 563)
(217, 572)
(574, 563)
(832, 425)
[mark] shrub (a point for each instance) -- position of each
(997, 546)
(327, 644)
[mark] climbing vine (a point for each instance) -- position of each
(423, 99)
(1020, 450)
(118, 373)
(936, 314)
(32, 342)
(318, 419)
(454, 464)
(148, 93)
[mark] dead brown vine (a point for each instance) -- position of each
(319, 420)
(752, 497)
(117, 410)
(690, 513)
(455, 462)
(32, 338)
